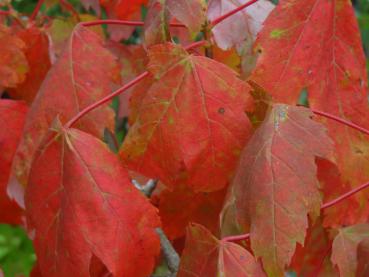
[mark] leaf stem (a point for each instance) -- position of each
(232, 12)
(141, 23)
(323, 207)
(195, 44)
(123, 22)
(236, 238)
(344, 196)
(341, 120)
(36, 10)
(69, 7)
(107, 98)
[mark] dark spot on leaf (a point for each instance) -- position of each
(358, 151)
(221, 110)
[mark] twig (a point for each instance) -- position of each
(169, 252)
(146, 189)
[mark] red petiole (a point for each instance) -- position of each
(36, 10)
(230, 13)
(106, 99)
(141, 23)
(123, 22)
(341, 120)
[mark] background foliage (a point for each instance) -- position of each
(16, 252)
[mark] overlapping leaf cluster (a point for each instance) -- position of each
(215, 115)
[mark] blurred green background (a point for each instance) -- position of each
(16, 252)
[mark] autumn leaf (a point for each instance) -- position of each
(132, 60)
(228, 57)
(275, 186)
(60, 31)
(92, 4)
(181, 206)
(346, 212)
(37, 54)
(345, 246)
(245, 24)
(362, 269)
(81, 76)
(80, 203)
(164, 143)
(12, 116)
(313, 258)
(35, 271)
(13, 62)
(123, 10)
(205, 255)
(156, 28)
(190, 12)
(315, 45)
(182, 35)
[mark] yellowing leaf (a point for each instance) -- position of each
(315, 45)
(156, 28)
(275, 186)
(61, 29)
(13, 62)
(37, 54)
